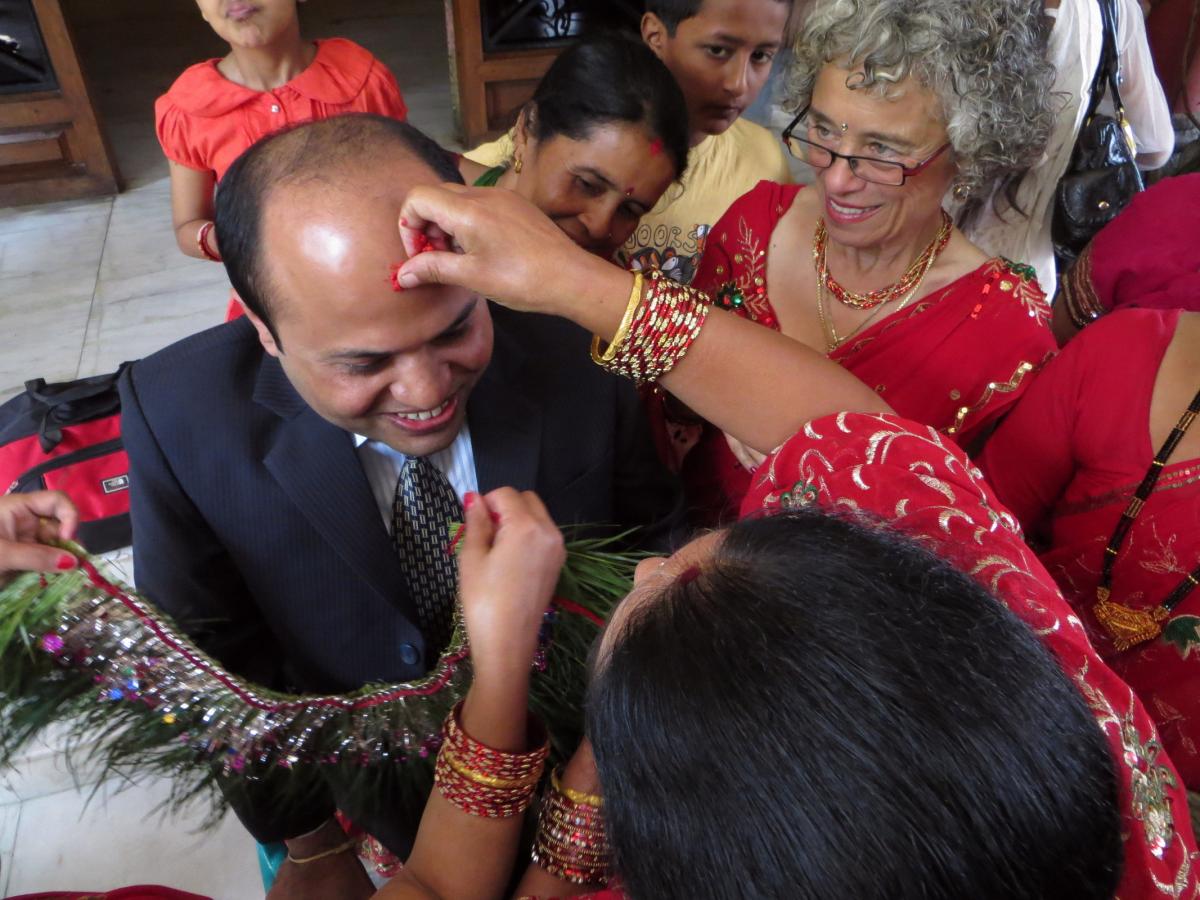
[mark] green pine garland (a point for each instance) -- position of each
(141, 699)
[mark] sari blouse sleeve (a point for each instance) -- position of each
(1084, 420)
(724, 268)
(733, 269)
(176, 133)
(923, 485)
(1031, 458)
(716, 265)
(1012, 340)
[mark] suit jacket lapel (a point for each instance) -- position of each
(316, 465)
(505, 420)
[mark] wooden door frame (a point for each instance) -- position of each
(65, 115)
(472, 70)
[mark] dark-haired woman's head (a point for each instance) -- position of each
(604, 135)
(808, 706)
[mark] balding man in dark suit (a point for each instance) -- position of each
(292, 472)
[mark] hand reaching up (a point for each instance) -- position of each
(509, 564)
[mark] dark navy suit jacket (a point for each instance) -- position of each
(255, 527)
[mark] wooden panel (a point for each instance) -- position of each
(46, 184)
(465, 40)
(531, 65)
(504, 101)
(51, 143)
(487, 87)
(31, 110)
(24, 148)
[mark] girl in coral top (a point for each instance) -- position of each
(270, 78)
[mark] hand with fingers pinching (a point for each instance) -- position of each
(509, 564)
(27, 523)
(501, 246)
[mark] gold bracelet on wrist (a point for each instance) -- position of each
(663, 327)
(483, 781)
(635, 300)
(593, 800)
(571, 843)
(489, 780)
(333, 851)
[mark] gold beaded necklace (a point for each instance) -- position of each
(879, 296)
(825, 316)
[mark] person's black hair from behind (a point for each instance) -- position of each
(672, 12)
(350, 144)
(598, 16)
(608, 78)
(831, 711)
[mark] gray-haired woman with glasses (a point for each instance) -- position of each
(902, 102)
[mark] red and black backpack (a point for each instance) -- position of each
(67, 437)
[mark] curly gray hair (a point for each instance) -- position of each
(984, 60)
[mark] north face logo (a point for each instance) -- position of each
(116, 484)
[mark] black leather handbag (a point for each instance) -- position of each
(1103, 175)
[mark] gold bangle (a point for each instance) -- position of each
(340, 848)
(488, 780)
(580, 797)
(635, 300)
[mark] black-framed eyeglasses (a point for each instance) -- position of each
(868, 168)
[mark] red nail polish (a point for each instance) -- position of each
(469, 500)
(495, 517)
(65, 562)
(395, 277)
(404, 221)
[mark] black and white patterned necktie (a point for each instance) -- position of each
(424, 506)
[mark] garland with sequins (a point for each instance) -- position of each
(139, 697)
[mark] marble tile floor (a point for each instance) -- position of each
(86, 285)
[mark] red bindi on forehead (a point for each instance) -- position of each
(424, 244)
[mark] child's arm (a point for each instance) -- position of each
(191, 208)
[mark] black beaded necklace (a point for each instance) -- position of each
(1126, 626)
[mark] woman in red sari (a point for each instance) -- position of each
(671, 802)
(865, 264)
(1069, 462)
(1147, 257)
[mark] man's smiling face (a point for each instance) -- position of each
(395, 367)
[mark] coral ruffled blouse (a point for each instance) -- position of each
(205, 121)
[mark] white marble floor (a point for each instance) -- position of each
(86, 285)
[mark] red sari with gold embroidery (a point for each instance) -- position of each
(927, 488)
(956, 360)
(924, 485)
(1067, 461)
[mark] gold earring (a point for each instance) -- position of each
(518, 165)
